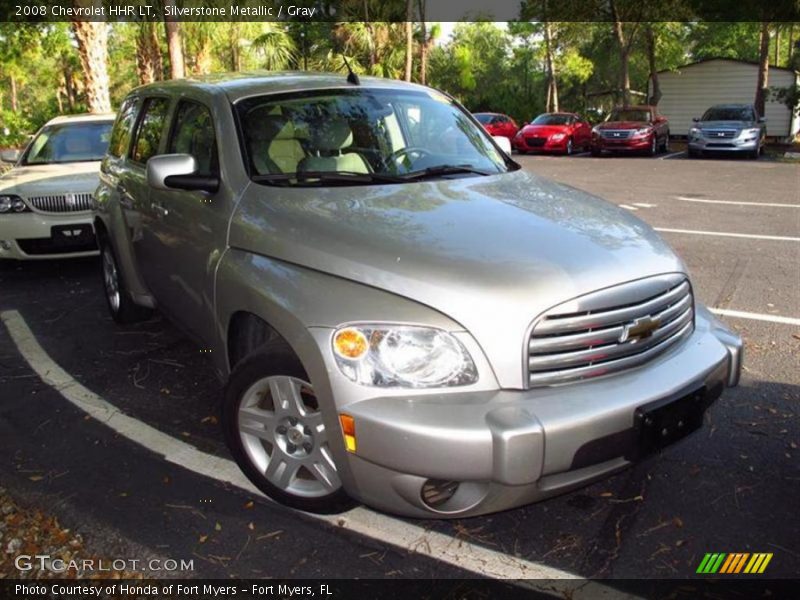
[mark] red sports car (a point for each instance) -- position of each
(497, 124)
(554, 132)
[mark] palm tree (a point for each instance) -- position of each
(92, 38)
(409, 25)
(277, 47)
(176, 62)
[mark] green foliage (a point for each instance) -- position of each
(485, 65)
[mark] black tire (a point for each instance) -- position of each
(665, 145)
(272, 359)
(596, 151)
(693, 153)
(123, 310)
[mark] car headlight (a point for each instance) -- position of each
(754, 131)
(596, 130)
(12, 204)
(402, 356)
(695, 131)
(557, 137)
(642, 132)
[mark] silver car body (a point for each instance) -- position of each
(489, 259)
(742, 135)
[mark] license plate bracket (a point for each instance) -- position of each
(664, 422)
(72, 235)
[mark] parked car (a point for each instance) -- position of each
(402, 314)
(554, 132)
(632, 129)
(733, 128)
(497, 124)
(46, 198)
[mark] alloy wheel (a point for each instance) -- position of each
(283, 435)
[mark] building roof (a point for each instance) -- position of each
(736, 60)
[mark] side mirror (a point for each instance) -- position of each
(178, 172)
(10, 156)
(695, 119)
(503, 142)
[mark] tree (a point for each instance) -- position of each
(409, 27)
(625, 38)
(92, 38)
(149, 65)
(276, 46)
(763, 69)
(177, 67)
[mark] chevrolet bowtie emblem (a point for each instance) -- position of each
(639, 329)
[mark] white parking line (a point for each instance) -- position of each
(738, 314)
(770, 204)
(644, 205)
(628, 206)
(673, 154)
(413, 538)
(752, 236)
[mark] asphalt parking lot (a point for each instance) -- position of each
(732, 487)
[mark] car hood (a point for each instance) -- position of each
(623, 125)
(725, 124)
(509, 246)
(41, 180)
(545, 130)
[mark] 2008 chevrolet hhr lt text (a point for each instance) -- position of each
(403, 316)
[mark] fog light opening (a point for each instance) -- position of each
(436, 492)
(5, 245)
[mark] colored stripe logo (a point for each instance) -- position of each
(734, 563)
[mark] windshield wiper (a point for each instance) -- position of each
(310, 178)
(440, 170)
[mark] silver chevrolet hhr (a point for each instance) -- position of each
(403, 316)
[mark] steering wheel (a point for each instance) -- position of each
(408, 151)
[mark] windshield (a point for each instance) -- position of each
(627, 114)
(731, 113)
(69, 142)
(552, 120)
(484, 118)
(371, 135)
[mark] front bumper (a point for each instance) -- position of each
(31, 236)
(627, 145)
(522, 145)
(732, 145)
(510, 448)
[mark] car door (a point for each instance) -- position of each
(147, 141)
(189, 229)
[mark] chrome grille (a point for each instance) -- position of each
(720, 134)
(62, 203)
(611, 330)
(616, 134)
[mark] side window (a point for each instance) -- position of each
(193, 133)
(151, 126)
(121, 134)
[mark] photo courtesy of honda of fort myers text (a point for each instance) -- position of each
(407, 298)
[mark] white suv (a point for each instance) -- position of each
(46, 199)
